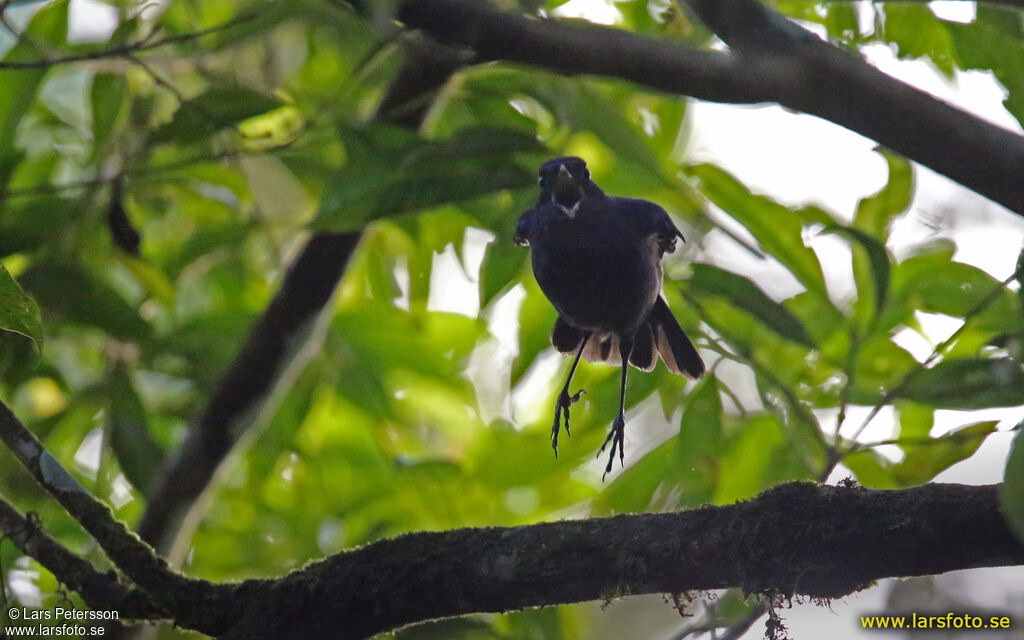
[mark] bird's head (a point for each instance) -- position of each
(565, 181)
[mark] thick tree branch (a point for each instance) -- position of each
(1007, 3)
(773, 60)
(283, 328)
(578, 48)
(101, 591)
(798, 539)
(193, 603)
(839, 87)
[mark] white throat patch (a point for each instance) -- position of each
(570, 213)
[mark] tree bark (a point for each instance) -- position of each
(800, 538)
(772, 60)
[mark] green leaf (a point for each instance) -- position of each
(818, 316)
(683, 469)
(107, 99)
(71, 292)
(50, 25)
(934, 283)
(502, 263)
(574, 104)
(872, 277)
(126, 31)
(21, 330)
(536, 317)
(424, 174)
(990, 43)
(743, 467)
(20, 86)
(700, 435)
(137, 452)
(1011, 492)
(971, 383)
(918, 34)
(841, 22)
(925, 457)
(151, 277)
(708, 280)
(875, 213)
(872, 469)
(217, 108)
(916, 421)
(30, 222)
(773, 225)
(881, 364)
(930, 457)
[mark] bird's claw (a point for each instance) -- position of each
(616, 436)
(562, 407)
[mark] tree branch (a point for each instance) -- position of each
(126, 49)
(99, 590)
(196, 604)
(773, 60)
(837, 86)
(574, 48)
(1019, 4)
(799, 538)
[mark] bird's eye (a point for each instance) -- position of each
(540, 181)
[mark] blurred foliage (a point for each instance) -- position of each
(428, 403)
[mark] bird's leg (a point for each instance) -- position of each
(565, 400)
(618, 431)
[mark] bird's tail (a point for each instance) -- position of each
(670, 341)
(660, 334)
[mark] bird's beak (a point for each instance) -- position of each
(567, 191)
(564, 182)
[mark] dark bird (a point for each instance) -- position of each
(597, 258)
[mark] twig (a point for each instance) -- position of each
(157, 78)
(125, 49)
(925, 441)
(801, 413)
(736, 631)
(44, 189)
(939, 349)
(737, 628)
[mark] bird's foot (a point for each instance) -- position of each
(562, 407)
(616, 436)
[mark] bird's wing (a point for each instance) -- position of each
(565, 337)
(524, 227)
(651, 219)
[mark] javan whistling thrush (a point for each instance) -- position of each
(597, 258)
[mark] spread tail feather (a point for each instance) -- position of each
(660, 334)
(643, 356)
(675, 348)
(603, 349)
